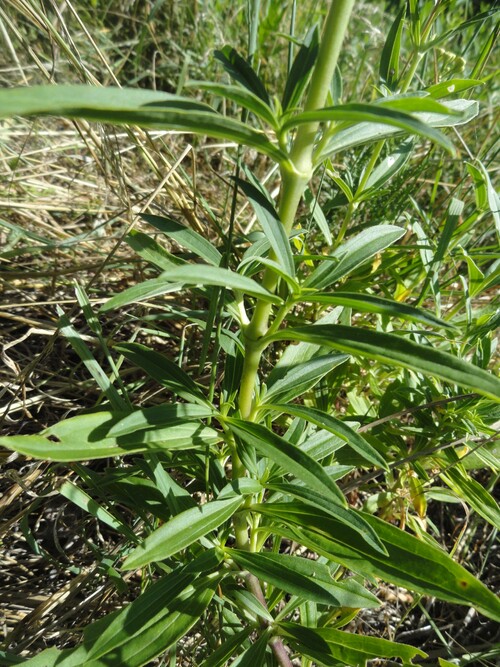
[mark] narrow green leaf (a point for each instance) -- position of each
(82, 499)
(254, 654)
(473, 494)
(86, 437)
(446, 35)
(373, 113)
(90, 362)
(389, 167)
(389, 59)
(392, 349)
(276, 268)
(300, 71)
(338, 428)
(152, 252)
(298, 354)
(247, 602)
(204, 274)
(293, 460)
(136, 634)
(271, 225)
(410, 562)
(243, 97)
(451, 87)
(329, 646)
(241, 71)
(361, 133)
(159, 416)
(305, 578)
(487, 197)
(163, 370)
(229, 647)
(296, 379)
(353, 253)
(146, 108)
(181, 531)
(141, 292)
(347, 516)
(369, 303)
(318, 216)
(185, 237)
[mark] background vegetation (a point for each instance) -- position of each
(71, 196)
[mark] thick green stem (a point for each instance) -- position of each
(295, 173)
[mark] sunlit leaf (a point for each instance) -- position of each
(337, 427)
(292, 459)
(181, 531)
(398, 350)
(205, 274)
(382, 115)
(271, 225)
(86, 437)
(353, 253)
(370, 303)
(367, 132)
(410, 562)
(305, 578)
(185, 237)
(299, 378)
(329, 646)
(146, 108)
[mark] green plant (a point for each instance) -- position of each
(263, 451)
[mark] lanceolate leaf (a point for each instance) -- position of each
(136, 634)
(451, 87)
(337, 427)
(389, 59)
(292, 459)
(329, 646)
(386, 169)
(305, 578)
(164, 371)
(301, 377)
(474, 495)
(353, 253)
(87, 437)
(356, 113)
(152, 252)
(181, 531)
(159, 416)
(229, 647)
(128, 106)
(242, 72)
(271, 224)
(244, 98)
(369, 303)
(185, 237)
(298, 76)
(204, 274)
(398, 350)
(362, 133)
(410, 562)
(348, 516)
(141, 292)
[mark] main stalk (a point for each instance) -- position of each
(295, 175)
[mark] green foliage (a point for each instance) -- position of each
(264, 445)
